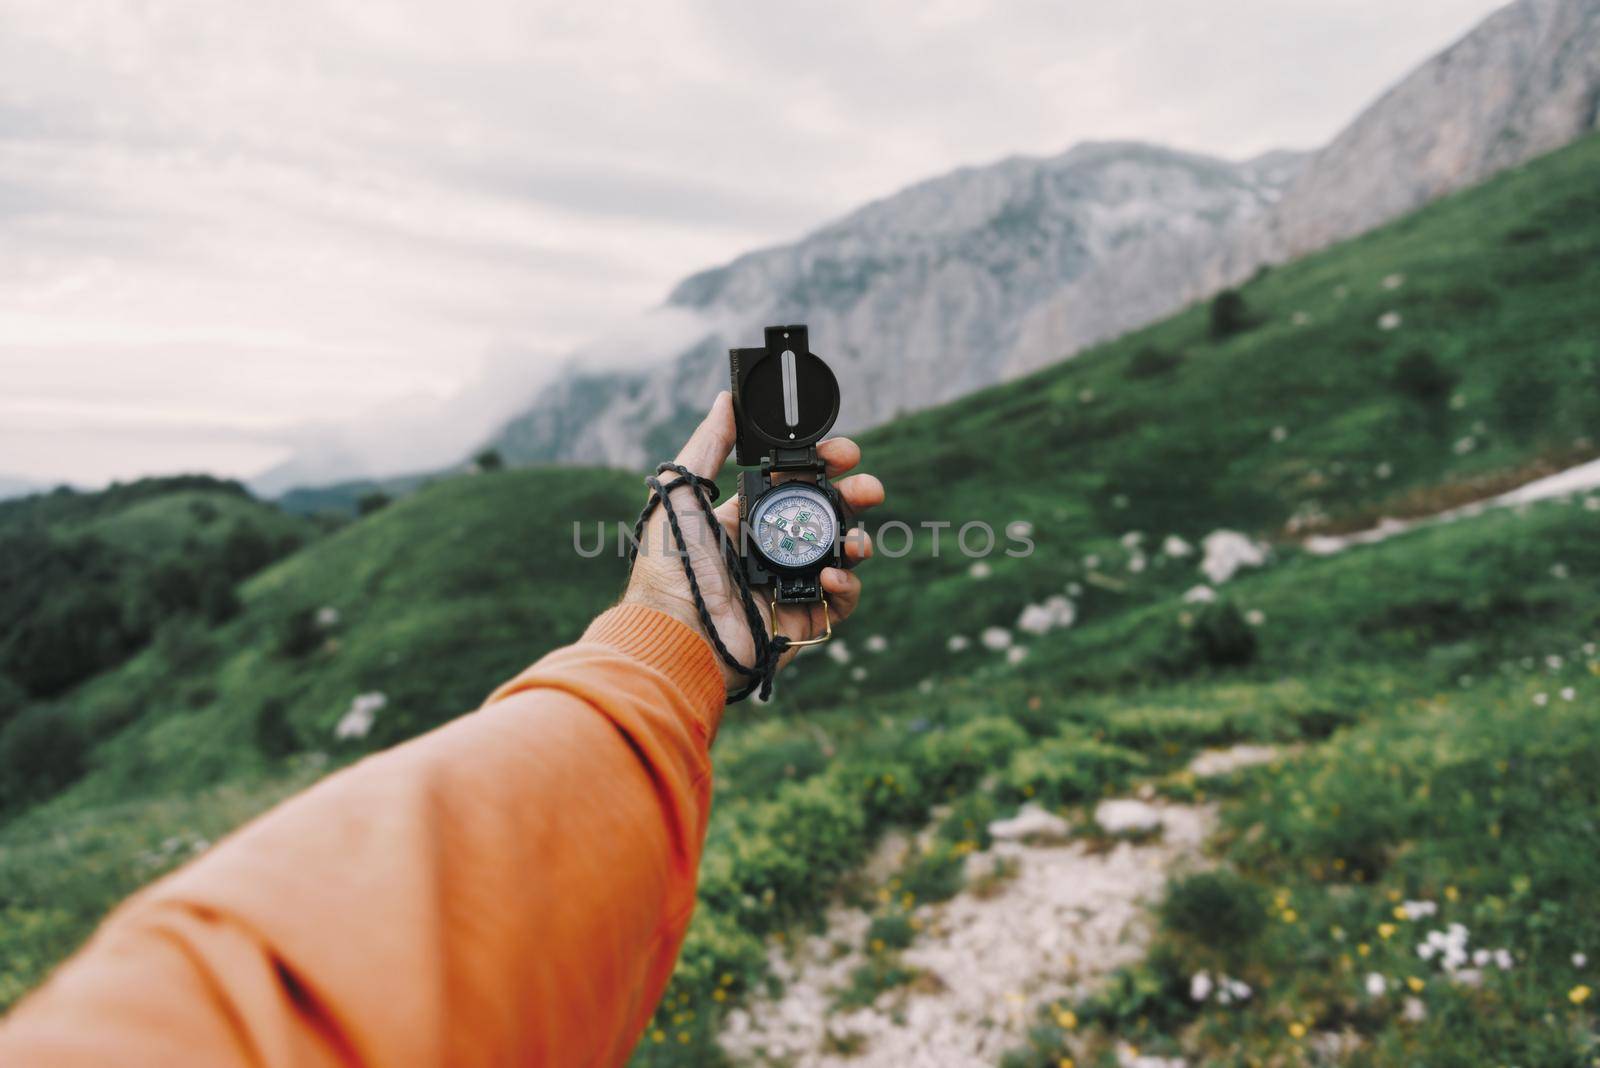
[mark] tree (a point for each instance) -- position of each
(41, 751)
(372, 502)
(1229, 315)
(489, 460)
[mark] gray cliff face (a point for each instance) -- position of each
(1524, 82)
(990, 272)
(914, 299)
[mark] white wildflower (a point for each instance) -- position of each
(1553, 662)
(1255, 617)
(1541, 699)
(838, 651)
(1137, 563)
(1481, 957)
(858, 674)
(1502, 959)
(1417, 910)
(1377, 985)
(1226, 551)
(1132, 540)
(327, 616)
(1389, 320)
(1201, 594)
(1091, 561)
(1016, 654)
(1426, 950)
(1458, 401)
(1085, 396)
(1280, 434)
(1020, 528)
(1393, 281)
(925, 687)
(1414, 1011)
(957, 643)
(1384, 470)
(1568, 693)
(1464, 445)
(996, 638)
(1199, 986)
(1055, 611)
(1176, 547)
(364, 709)
(1579, 960)
(979, 570)
(877, 643)
(1300, 318)
(1591, 504)
(1074, 589)
(1560, 571)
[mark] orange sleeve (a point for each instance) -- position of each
(511, 888)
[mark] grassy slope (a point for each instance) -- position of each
(446, 592)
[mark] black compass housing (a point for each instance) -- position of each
(785, 398)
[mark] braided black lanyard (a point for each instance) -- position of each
(769, 647)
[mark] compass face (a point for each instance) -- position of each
(793, 525)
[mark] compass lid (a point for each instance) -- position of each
(784, 395)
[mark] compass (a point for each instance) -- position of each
(792, 519)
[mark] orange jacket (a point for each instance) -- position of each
(512, 888)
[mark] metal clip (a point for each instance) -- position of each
(797, 643)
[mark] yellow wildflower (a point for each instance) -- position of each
(1066, 1019)
(658, 1035)
(1400, 913)
(1363, 949)
(719, 994)
(1415, 984)
(1452, 894)
(1386, 930)
(1297, 1030)
(1290, 915)
(1579, 994)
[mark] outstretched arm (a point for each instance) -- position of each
(510, 888)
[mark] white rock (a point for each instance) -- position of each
(1127, 816)
(1226, 552)
(1031, 821)
(1214, 762)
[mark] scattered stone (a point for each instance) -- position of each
(1214, 762)
(1127, 816)
(1032, 821)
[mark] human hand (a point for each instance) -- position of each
(658, 579)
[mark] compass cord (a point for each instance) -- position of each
(769, 647)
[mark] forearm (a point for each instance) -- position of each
(510, 888)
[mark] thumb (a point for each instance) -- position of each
(712, 440)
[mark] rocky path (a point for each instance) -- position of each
(1072, 912)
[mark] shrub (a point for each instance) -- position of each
(371, 502)
(1174, 729)
(891, 929)
(956, 758)
(489, 460)
(275, 735)
(298, 633)
(1420, 377)
(1152, 362)
(1067, 769)
(1220, 636)
(1218, 909)
(41, 751)
(1229, 315)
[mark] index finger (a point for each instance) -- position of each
(840, 454)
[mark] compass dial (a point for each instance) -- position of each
(793, 525)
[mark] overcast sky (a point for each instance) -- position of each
(227, 226)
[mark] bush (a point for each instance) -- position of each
(1420, 377)
(298, 633)
(489, 460)
(1229, 315)
(1220, 637)
(1218, 909)
(956, 758)
(275, 735)
(375, 501)
(1152, 362)
(41, 752)
(1068, 769)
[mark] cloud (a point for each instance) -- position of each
(311, 221)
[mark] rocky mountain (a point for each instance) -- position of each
(1524, 82)
(914, 299)
(990, 272)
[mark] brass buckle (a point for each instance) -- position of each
(799, 643)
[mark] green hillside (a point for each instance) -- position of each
(1436, 361)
